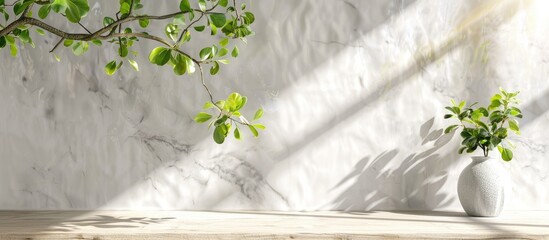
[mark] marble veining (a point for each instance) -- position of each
(353, 91)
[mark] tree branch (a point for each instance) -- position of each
(57, 45)
(236, 10)
(84, 27)
(187, 28)
(78, 36)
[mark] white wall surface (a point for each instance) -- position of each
(353, 91)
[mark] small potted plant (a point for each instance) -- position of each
(481, 185)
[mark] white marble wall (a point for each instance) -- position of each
(353, 93)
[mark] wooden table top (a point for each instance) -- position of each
(269, 225)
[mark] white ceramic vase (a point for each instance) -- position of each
(481, 187)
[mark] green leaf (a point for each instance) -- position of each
(6, 16)
(224, 42)
(258, 114)
(220, 133)
(123, 50)
(3, 42)
(10, 39)
(57, 58)
(476, 115)
(481, 124)
(218, 19)
(233, 102)
(259, 126)
(199, 28)
(74, 10)
(180, 65)
(223, 3)
(501, 133)
(249, 18)
(202, 5)
(222, 52)
(484, 111)
(40, 31)
(134, 65)
(446, 116)
(215, 68)
(68, 42)
(24, 36)
(186, 36)
(172, 31)
(514, 125)
(224, 61)
(179, 19)
(13, 50)
(44, 11)
(470, 150)
(243, 102)
(208, 105)
(515, 111)
(144, 22)
(124, 8)
(496, 117)
(110, 68)
(119, 65)
(213, 29)
(461, 149)
(253, 130)
(506, 153)
(469, 142)
(494, 104)
(495, 141)
(80, 48)
(185, 6)
(235, 52)
(450, 128)
(221, 120)
(59, 6)
(97, 42)
(237, 133)
(190, 65)
(107, 21)
(205, 53)
(202, 117)
(220, 104)
(191, 15)
(160, 56)
(19, 7)
(451, 110)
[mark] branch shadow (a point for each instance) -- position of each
(370, 176)
(70, 221)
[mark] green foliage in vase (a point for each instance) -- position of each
(224, 19)
(488, 127)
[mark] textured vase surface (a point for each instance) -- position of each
(481, 187)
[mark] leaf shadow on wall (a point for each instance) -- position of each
(370, 170)
(360, 196)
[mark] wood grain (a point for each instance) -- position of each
(269, 225)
